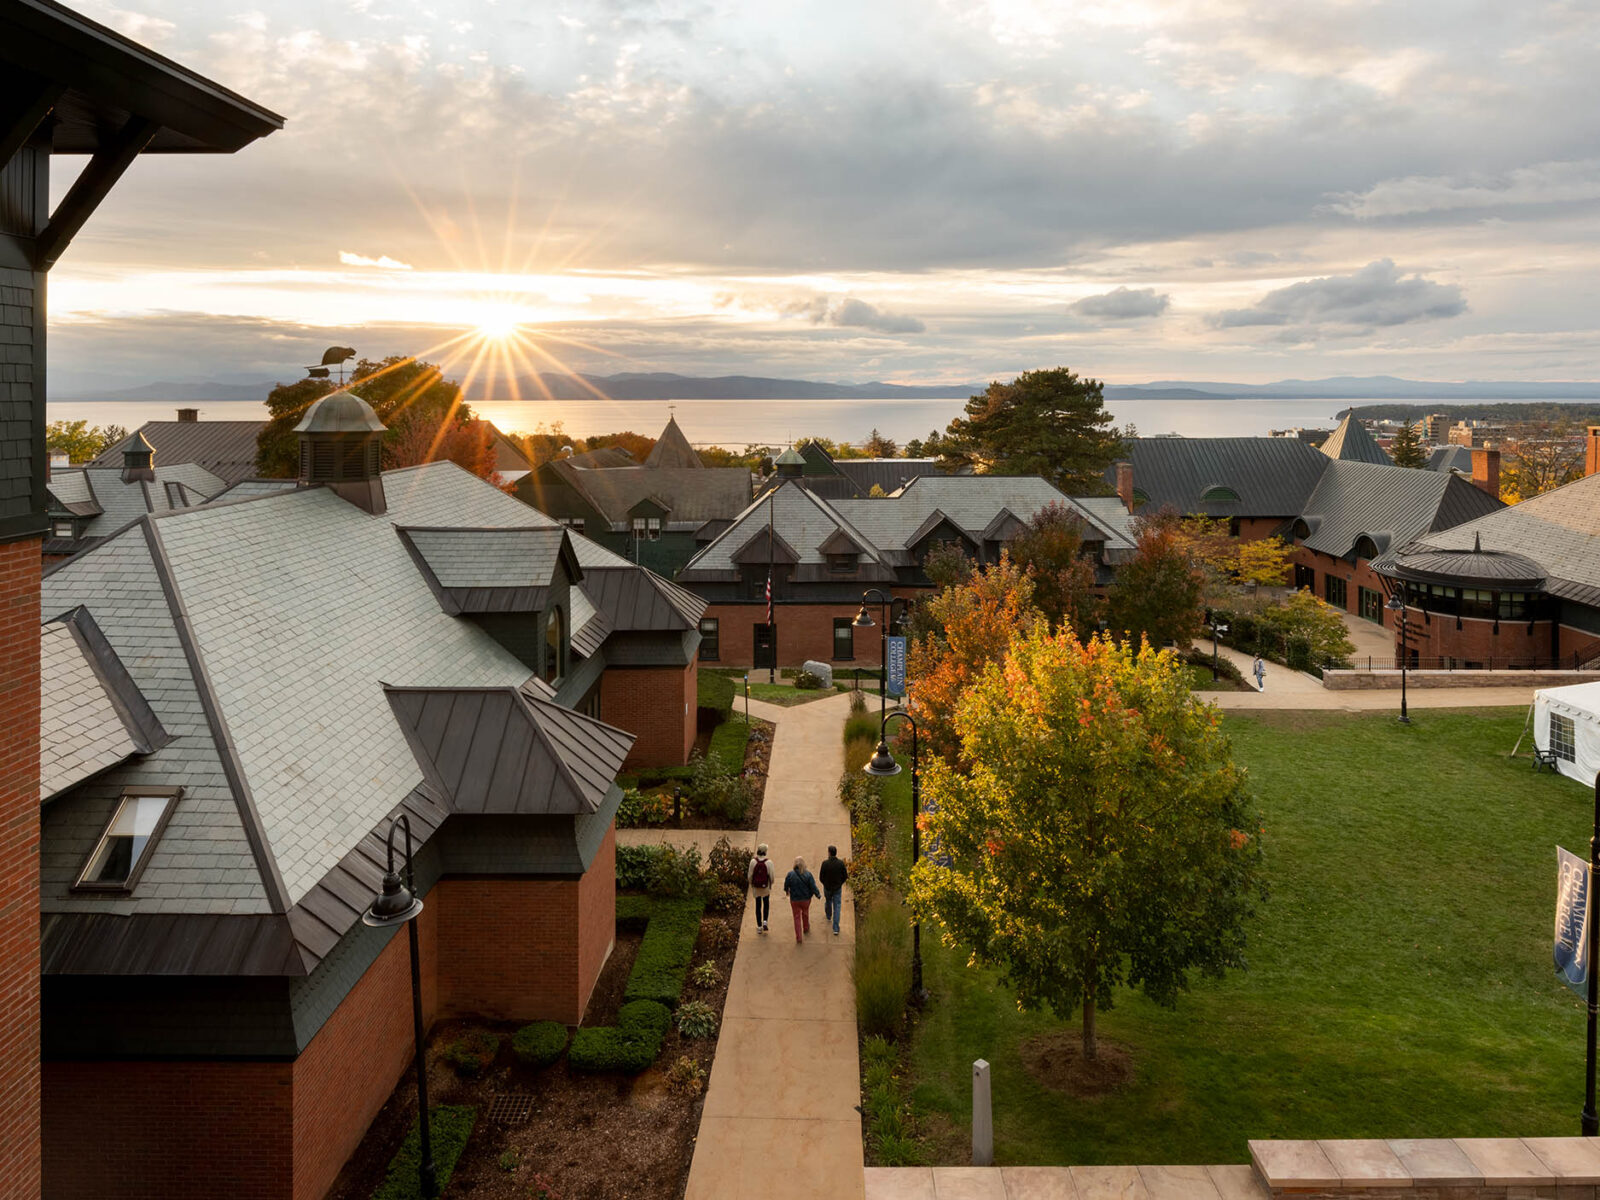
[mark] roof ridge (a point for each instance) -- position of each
(232, 768)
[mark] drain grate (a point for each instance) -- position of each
(510, 1108)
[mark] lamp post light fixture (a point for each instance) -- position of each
(1218, 629)
(398, 904)
(864, 620)
(1397, 605)
(883, 765)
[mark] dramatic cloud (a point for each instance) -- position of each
(850, 313)
(1122, 304)
(1543, 183)
(1374, 297)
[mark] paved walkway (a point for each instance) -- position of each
(780, 1111)
(1288, 689)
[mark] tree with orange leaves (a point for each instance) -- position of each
(1159, 594)
(1097, 833)
(962, 629)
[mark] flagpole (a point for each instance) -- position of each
(1590, 1121)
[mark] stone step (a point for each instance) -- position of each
(1480, 1166)
(1232, 1182)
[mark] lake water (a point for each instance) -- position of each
(779, 422)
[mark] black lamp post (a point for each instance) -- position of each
(883, 765)
(1398, 605)
(398, 905)
(1218, 628)
(864, 621)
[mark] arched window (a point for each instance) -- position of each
(1218, 492)
(555, 646)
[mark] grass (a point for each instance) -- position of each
(784, 694)
(1400, 985)
(728, 742)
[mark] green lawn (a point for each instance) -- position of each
(782, 693)
(1400, 984)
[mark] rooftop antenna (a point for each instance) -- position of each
(332, 356)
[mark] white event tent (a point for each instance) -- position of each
(1566, 721)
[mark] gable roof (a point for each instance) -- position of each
(691, 496)
(110, 502)
(1351, 442)
(491, 570)
(1386, 504)
(226, 449)
(886, 473)
(1451, 458)
(672, 449)
(1271, 476)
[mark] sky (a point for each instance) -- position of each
(926, 191)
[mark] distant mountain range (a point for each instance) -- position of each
(666, 386)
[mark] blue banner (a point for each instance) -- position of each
(897, 666)
(1572, 921)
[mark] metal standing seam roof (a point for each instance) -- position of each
(1272, 476)
(889, 474)
(227, 449)
(635, 601)
(690, 495)
(1351, 442)
(1387, 504)
(1560, 531)
(672, 449)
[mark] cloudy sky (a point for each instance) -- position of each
(917, 191)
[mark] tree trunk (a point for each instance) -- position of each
(1091, 1047)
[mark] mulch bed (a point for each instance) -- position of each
(1055, 1060)
(757, 755)
(606, 1136)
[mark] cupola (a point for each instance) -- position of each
(790, 465)
(138, 460)
(341, 448)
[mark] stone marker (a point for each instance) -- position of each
(982, 1117)
(821, 670)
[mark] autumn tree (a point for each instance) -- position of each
(1159, 593)
(879, 446)
(470, 445)
(1549, 459)
(958, 633)
(636, 444)
(1051, 549)
(81, 441)
(1263, 561)
(277, 448)
(1050, 423)
(1097, 833)
(1407, 450)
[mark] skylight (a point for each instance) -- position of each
(124, 848)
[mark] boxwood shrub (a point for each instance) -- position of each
(664, 954)
(630, 1045)
(449, 1127)
(539, 1044)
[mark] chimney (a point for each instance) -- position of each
(1591, 451)
(1125, 484)
(1486, 469)
(138, 460)
(189, 415)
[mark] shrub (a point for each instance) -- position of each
(897, 1150)
(805, 681)
(629, 1046)
(882, 967)
(542, 1187)
(663, 960)
(858, 702)
(864, 726)
(725, 797)
(539, 1044)
(643, 808)
(726, 897)
(706, 975)
(686, 1077)
(876, 1050)
(715, 692)
(633, 866)
(662, 870)
(472, 1054)
(509, 1161)
(877, 1075)
(696, 1019)
(718, 937)
(645, 1016)
(729, 863)
(449, 1127)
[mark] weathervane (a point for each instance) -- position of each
(332, 356)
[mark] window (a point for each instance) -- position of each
(1219, 493)
(844, 639)
(1305, 579)
(555, 646)
(1370, 604)
(1335, 591)
(1563, 741)
(842, 564)
(124, 848)
(648, 528)
(572, 523)
(710, 639)
(61, 529)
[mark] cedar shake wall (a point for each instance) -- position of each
(656, 705)
(19, 868)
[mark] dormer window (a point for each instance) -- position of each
(647, 528)
(63, 530)
(124, 849)
(842, 564)
(555, 647)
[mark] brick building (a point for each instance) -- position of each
(824, 554)
(239, 698)
(1517, 586)
(70, 86)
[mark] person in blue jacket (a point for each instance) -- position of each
(800, 885)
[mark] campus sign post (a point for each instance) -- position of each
(1575, 949)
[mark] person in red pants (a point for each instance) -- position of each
(800, 885)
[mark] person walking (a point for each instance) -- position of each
(1259, 670)
(800, 885)
(833, 874)
(759, 875)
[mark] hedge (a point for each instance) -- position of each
(715, 692)
(539, 1044)
(728, 742)
(663, 961)
(630, 1045)
(449, 1126)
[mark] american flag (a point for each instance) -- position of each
(769, 595)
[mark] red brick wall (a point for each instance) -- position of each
(657, 706)
(170, 1130)
(597, 916)
(1253, 528)
(805, 631)
(19, 868)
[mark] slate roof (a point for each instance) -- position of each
(1560, 531)
(264, 635)
(1387, 505)
(1451, 458)
(177, 485)
(490, 570)
(1351, 442)
(1272, 476)
(691, 495)
(672, 449)
(887, 473)
(226, 449)
(92, 714)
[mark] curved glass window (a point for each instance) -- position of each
(555, 646)
(1219, 493)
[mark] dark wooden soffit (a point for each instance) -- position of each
(91, 187)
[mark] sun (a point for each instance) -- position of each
(498, 322)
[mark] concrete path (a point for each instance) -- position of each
(780, 1112)
(1288, 689)
(1371, 640)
